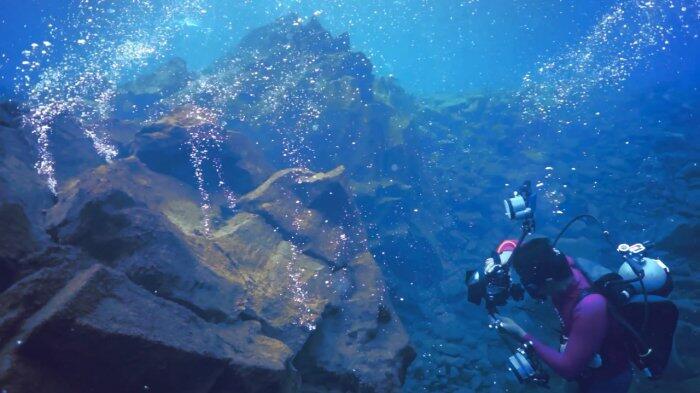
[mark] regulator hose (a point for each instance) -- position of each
(606, 236)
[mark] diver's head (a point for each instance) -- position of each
(543, 270)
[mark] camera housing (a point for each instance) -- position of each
(494, 288)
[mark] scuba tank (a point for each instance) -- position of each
(654, 273)
(637, 295)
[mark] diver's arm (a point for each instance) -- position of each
(588, 329)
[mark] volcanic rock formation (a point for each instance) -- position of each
(132, 292)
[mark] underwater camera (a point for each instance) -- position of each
(497, 286)
(494, 288)
(525, 366)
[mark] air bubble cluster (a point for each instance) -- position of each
(101, 43)
(621, 41)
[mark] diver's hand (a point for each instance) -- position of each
(509, 326)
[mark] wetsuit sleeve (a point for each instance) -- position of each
(588, 327)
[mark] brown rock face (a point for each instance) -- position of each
(314, 209)
(102, 330)
(367, 354)
(143, 295)
(166, 147)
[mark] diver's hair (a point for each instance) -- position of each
(536, 260)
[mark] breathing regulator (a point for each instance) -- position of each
(638, 288)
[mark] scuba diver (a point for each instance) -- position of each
(605, 315)
(593, 350)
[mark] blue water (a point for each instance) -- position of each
(590, 91)
(443, 46)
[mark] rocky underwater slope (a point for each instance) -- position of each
(123, 282)
(203, 258)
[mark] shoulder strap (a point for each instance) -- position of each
(615, 314)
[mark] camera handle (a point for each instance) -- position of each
(527, 227)
(523, 364)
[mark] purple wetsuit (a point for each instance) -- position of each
(590, 330)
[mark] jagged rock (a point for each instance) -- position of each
(367, 338)
(279, 259)
(130, 218)
(166, 147)
(314, 209)
(93, 330)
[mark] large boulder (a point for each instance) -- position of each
(96, 324)
(170, 145)
(291, 258)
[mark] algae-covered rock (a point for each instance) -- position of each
(280, 261)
